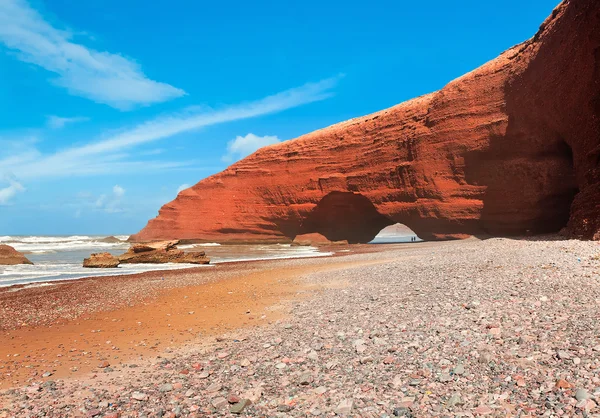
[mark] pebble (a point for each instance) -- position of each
(139, 396)
(167, 387)
(344, 407)
(219, 402)
(215, 387)
(459, 369)
(305, 378)
(239, 407)
(581, 394)
(454, 400)
(445, 377)
(427, 353)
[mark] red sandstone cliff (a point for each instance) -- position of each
(510, 148)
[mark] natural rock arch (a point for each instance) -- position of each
(510, 148)
(345, 216)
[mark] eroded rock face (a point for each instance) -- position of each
(162, 252)
(10, 257)
(101, 260)
(510, 148)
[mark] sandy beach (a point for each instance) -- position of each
(500, 327)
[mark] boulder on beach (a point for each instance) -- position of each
(102, 261)
(110, 240)
(152, 246)
(10, 257)
(162, 252)
(315, 239)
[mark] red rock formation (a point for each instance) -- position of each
(9, 256)
(162, 252)
(510, 148)
(101, 260)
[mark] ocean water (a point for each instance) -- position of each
(61, 258)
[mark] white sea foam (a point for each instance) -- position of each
(60, 258)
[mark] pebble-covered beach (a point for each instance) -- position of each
(500, 327)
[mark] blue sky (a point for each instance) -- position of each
(108, 108)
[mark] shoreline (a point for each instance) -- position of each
(44, 324)
(501, 327)
(321, 251)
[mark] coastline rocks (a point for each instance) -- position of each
(110, 240)
(315, 239)
(162, 252)
(101, 260)
(151, 246)
(10, 257)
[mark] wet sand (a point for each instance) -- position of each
(70, 328)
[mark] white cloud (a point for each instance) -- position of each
(183, 187)
(56, 122)
(242, 146)
(118, 191)
(100, 76)
(108, 156)
(8, 192)
(110, 203)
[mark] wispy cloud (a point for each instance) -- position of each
(242, 146)
(57, 122)
(100, 76)
(110, 155)
(106, 202)
(8, 192)
(118, 191)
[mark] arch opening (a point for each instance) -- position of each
(345, 216)
(395, 234)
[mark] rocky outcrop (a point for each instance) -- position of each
(315, 239)
(10, 257)
(510, 148)
(162, 252)
(101, 260)
(110, 240)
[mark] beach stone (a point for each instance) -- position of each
(139, 396)
(239, 407)
(219, 402)
(233, 398)
(403, 412)
(101, 260)
(167, 387)
(454, 400)
(582, 394)
(344, 407)
(284, 408)
(215, 387)
(305, 378)
(483, 410)
(459, 369)
(445, 377)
